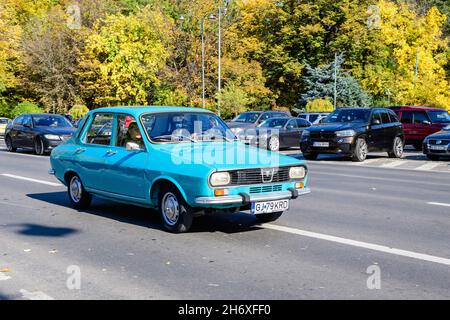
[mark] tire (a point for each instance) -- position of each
(9, 144)
(397, 148)
(417, 146)
(361, 150)
(432, 157)
(176, 214)
(310, 156)
(39, 146)
(274, 143)
(268, 217)
(78, 196)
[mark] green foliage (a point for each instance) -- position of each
(234, 100)
(25, 107)
(78, 111)
(319, 105)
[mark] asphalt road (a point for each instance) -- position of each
(358, 218)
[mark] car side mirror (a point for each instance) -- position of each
(426, 122)
(376, 122)
(131, 146)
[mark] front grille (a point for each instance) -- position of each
(254, 176)
(322, 135)
(264, 189)
(443, 142)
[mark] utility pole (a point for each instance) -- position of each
(335, 80)
(416, 70)
(203, 61)
(219, 71)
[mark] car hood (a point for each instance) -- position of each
(57, 131)
(232, 124)
(335, 126)
(225, 155)
(440, 135)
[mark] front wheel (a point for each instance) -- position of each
(274, 143)
(9, 144)
(39, 146)
(397, 148)
(176, 214)
(268, 217)
(78, 196)
(361, 149)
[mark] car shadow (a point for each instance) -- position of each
(139, 216)
(36, 230)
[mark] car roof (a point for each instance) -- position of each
(138, 110)
(418, 108)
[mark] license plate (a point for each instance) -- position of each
(270, 206)
(321, 144)
(438, 147)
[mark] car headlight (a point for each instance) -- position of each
(297, 172)
(220, 179)
(305, 133)
(52, 137)
(345, 133)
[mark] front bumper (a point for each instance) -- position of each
(444, 152)
(343, 145)
(244, 198)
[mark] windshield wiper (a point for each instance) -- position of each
(168, 137)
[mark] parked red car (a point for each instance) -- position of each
(420, 122)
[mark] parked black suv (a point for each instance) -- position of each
(355, 132)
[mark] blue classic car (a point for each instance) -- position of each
(184, 162)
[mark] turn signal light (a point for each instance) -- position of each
(299, 185)
(220, 192)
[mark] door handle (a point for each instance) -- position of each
(111, 152)
(80, 150)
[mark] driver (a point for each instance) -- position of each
(133, 135)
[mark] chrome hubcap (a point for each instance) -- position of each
(363, 150)
(76, 190)
(170, 208)
(398, 147)
(274, 144)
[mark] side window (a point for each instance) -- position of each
(18, 121)
(292, 124)
(407, 117)
(385, 117)
(393, 116)
(265, 116)
(100, 130)
(302, 123)
(303, 116)
(420, 117)
(313, 117)
(27, 121)
(376, 116)
(128, 131)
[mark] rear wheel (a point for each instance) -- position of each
(38, 146)
(268, 217)
(176, 214)
(78, 196)
(432, 157)
(360, 152)
(310, 156)
(397, 148)
(274, 143)
(9, 144)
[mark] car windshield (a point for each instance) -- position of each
(348, 115)
(273, 123)
(51, 121)
(439, 116)
(247, 117)
(185, 126)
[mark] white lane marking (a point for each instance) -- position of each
(16, 205)
(36, 295)
(393, 164)
(366, 245)
(428, 166)
(31, 179)
(367, 161)
(4, 277)
(439, 204)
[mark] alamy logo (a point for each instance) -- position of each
(374, 280)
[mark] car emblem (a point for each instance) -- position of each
(439, 142)
(267, 174)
